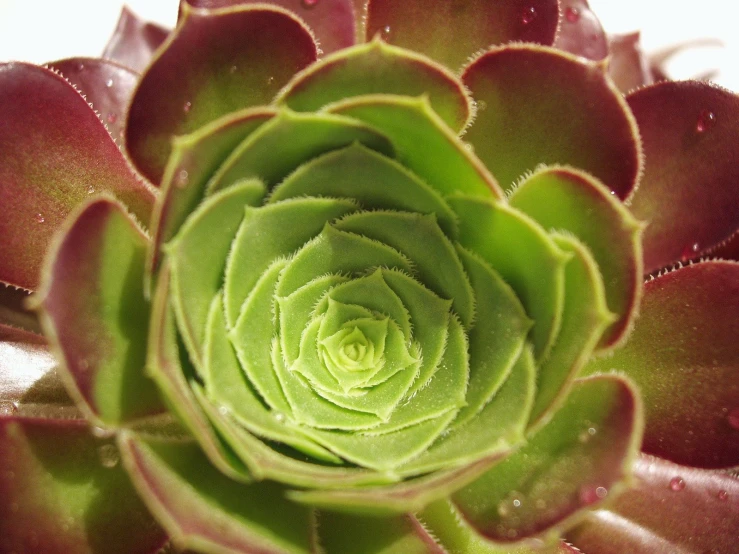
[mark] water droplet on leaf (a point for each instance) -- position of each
(528, 15)
(112, 118)
(233, 69)
(572, 15)
(386, 31)
(40, 218)
(187, 106)
(706, 120)
(109, 83)
(90, 189)
(183, 178)
(677, 484)
(109, 456)
(723, 495)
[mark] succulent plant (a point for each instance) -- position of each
(410, 293)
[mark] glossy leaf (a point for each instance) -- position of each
(134, 41)
(580, 32)
(394, 71)
(56, 153)
(440, 34)
(56, 485)
(671, 508)
(202, 509)
(687, 194)
(572, 201)
(580, 118)
(222, 61)
(331, 21)
(96, 315)
(684, 356)
(582, 455)
(106, 84)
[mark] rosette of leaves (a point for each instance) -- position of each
(313, 307)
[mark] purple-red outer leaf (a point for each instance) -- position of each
(539, 105)
(95, 313)
(332, 21)
(134, 41)
(54, 152)
(214, 63)
(451, 32)
(628, 66)
(62, 491)
(684, 355)
(672, 510)
(688, 193)
(580, 32)
(106, 84)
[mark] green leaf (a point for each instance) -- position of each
(423, 143)
(202, 509)
(96, 316)
(375, 181)
(393, 71)
(198, 257)
(271, 232)
(522, 253)
(569, 200)
(290, 139)
(581, 456)
(419, 238)
(222, 61)
(56, 483)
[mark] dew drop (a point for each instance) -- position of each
(572, 15)
(723, 495)
(503, 510)
(270, 80)
(279, 416)
(677, 484)
(109, 83)
(601, 492)
(233, 69)
(112, 118)
(101, 433)
(733, 418)
(183, 177)
(528, 15)
(39, 218)
(8, 408)
(186, 107)
(80, 66)
(516, 503)
(386, 31)
(309, 4)
(592, 431)
(109, 456)
(90, 189)
(706, 120)
(223, 410)
(482, 106)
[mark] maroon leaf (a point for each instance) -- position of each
(580, 32)
(451, 32)
(213, 64)
(55, 154)
(672, 510)
(134, 41)
(332, 21)
(688, 194)
(96, 316)
(63, 491)
(628, 66)
(106, 84)
(539, 105)
(684, 355)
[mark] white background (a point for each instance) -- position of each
(45, 30)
